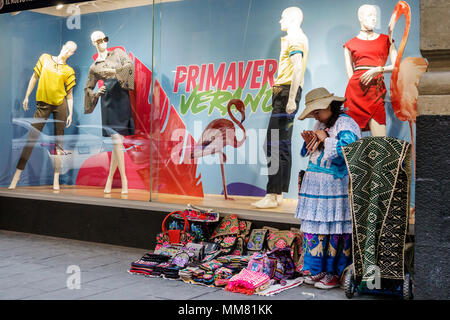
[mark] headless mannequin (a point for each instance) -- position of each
(291, 20)
(367, 15)
(117, 154)
(66, 52)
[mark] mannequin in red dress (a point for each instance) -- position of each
(365, 60)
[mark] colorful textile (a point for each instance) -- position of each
(278, 288)
(326, 253)
(365, 102)
(323, 205)
(222, 276)
(143, 267)
(55, 80)
(186, 273)
(200, 215)
(247, 281)
(228, 226)
(256, 240)
(380, 176)
(244, 227)
(284, 267)
(260, 262)
(281, 239)
(211, 265)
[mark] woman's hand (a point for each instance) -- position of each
(311, 140)
(321, 135)
(307, 135)
(370, 74)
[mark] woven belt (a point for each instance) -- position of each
(364, 67)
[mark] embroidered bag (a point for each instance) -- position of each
(228, 226)
(261, 262)
(286, 238)
(284, 265)
(175, 236)
(256, 240)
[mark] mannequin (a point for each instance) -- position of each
(287, 92)
(53, 96)
(365, 59)
(116, 69)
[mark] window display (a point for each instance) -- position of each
(198, 101)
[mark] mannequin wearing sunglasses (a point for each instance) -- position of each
(116, 70)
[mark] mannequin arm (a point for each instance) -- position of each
(392, 57)
(348, 62)
(371, 73)
(125, 73)
(31, 84)
(70, 107)
(297, 62)
(90, 96)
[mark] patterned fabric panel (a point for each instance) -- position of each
(380, 175)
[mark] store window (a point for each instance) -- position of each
(174, 100)
(75, 110)
(211, 52)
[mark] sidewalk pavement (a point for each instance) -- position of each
(35, 267)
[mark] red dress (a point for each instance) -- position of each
(365, 102)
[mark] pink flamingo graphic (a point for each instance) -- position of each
(218, 134)
(405, 75)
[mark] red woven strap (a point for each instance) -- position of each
(186, 223)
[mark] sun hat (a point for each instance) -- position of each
(318, 99)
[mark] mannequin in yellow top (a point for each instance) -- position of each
(287, 92)
(53, 96)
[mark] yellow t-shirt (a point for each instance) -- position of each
(55, 80)
(289, 47)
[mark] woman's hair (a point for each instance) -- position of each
(336, 110)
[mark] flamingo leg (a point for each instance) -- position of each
(222, 169)
(413, 145)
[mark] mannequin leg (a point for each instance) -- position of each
(57, 167)
(15, 179)
(42, 113)
(60, 115)
(112, 171)
(378, 130)
(120, 156)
